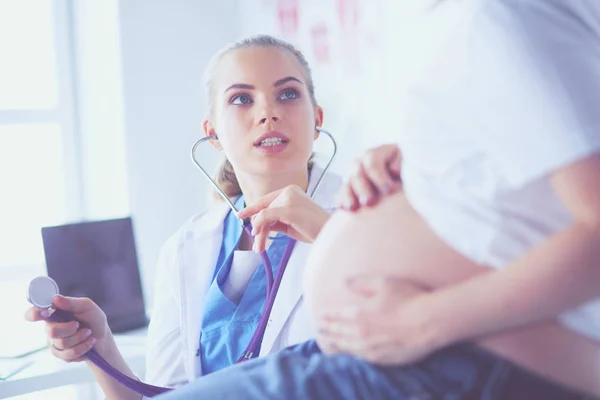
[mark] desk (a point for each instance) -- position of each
(47, 372)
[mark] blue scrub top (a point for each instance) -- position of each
(228, 327)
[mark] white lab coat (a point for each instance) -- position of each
(184, 271)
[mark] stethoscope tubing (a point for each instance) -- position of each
(272, 287)
(228, 200)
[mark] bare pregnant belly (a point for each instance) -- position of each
(393, 240)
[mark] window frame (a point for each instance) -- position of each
(65, 116)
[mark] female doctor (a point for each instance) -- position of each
(210, 288)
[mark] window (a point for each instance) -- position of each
(39, 162)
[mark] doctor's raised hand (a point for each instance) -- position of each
(289, 211)
(69, 341)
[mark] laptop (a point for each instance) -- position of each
(98, 260)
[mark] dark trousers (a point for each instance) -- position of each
(304, 372)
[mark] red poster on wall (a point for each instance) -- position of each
(320, 42)
(348, 14)
(287, 15)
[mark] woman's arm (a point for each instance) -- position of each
(440, 308)
(561, 273)
(424, 306)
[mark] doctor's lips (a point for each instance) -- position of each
(272, 142)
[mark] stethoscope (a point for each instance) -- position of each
(40, 294)
(228, 200)
(272, 282)
(42, 289)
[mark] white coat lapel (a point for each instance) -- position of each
(199, 254)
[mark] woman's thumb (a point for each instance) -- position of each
(73, 304)
(394, 166)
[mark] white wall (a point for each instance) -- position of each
(363, 54)
(140, 64)
(165, 46)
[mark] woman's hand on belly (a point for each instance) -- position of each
(384, 326)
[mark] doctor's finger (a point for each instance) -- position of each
(33, 314)
(260, 242)
(266, 219)
(77, 305)
(59, 330)
(71, 341)
(259, 205)
(260, 223)
(289, 221)
(74, 353)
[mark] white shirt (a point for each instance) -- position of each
(515, 96)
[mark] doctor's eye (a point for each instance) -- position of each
(240, 99)
(289, 94)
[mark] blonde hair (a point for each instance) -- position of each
(225, 176)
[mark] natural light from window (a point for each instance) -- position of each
(32, 176)
(28, 68)
(35, 128)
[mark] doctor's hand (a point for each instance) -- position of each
(289, 211)
(386, 327)
(376, 174)
(69, 341)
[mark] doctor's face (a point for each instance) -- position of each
(262, 111)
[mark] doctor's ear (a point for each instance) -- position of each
(209, 130)
(215, 143)
(318, 120)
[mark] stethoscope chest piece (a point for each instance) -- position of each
(42, 291)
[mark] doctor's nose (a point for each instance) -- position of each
(267, 113)
(265, 119)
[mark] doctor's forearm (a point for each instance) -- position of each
(560, 274)
(112, 389)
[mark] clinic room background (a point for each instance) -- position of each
(101, 101)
